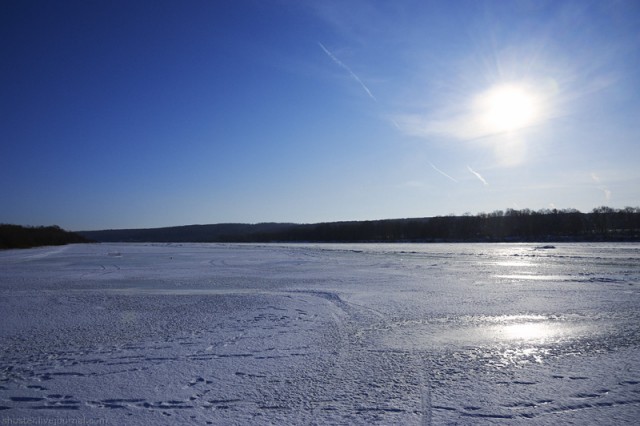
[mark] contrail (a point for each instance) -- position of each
(441, 172)
(477, 175)
(343, 65)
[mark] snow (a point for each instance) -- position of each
(419, 334)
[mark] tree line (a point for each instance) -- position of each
(601, 224)
(16, 236)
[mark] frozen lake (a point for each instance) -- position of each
(405, 334)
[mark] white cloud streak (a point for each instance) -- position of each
(343, 65)
(442, 173)
(478, 175)
(605, 190)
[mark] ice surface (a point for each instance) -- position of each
(320, 334)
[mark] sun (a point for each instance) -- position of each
(507, 107)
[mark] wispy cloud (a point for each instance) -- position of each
(478, 175)
(606, 191)
(411, 184)
(343, 65)
(441, 172)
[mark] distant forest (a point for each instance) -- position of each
(601, 224)
(15, 236)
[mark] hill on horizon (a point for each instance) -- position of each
(185, 233)
(603, 223)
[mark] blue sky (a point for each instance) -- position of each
(120, 114)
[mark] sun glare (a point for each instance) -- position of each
(507, 108)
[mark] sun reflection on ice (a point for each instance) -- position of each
(499, 341)
(536, 328)
(528, 338)
(519, 356)
(528, 331)
(532, 334)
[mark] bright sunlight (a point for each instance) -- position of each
(506, 108)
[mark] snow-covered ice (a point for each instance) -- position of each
(320, 334)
